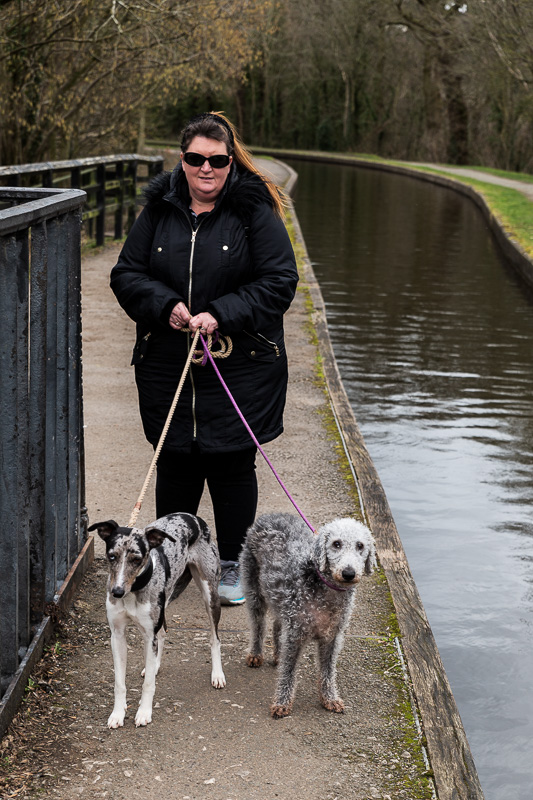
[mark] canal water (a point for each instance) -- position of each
(433, 335)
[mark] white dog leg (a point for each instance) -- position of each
(160, 646)
(218, 679)
(151, 662)
(212, 606)
(152, 659)
(120, 656)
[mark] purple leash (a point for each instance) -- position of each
(331, 585)
(250, 431)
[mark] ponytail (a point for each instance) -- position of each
(244, 159)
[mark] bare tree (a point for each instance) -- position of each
(440, 26)
(502, 47)
(75, 74)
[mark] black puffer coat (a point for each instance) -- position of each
(240, 267)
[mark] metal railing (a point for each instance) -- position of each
(112, 184)
(42, 514)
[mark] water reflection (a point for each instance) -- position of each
(433, 337)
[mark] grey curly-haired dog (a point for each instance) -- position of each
(307, 582)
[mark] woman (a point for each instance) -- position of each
(210, 251)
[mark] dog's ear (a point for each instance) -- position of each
(371, 560)
(105, 529)
(319, 551)
(155, 537)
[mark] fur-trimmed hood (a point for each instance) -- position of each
(243, 191)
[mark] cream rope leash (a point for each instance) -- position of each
(190, 358)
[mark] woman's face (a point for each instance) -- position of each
(206, 182)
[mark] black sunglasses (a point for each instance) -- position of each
(197, 160)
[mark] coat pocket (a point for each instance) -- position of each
(258, 348)
(140, 350)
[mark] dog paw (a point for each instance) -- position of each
(254, 661)
(333, 705)
(218, 680)
(278, 711)
(116, 720)
(143, 717)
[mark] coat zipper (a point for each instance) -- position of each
(193, 240)
(193, 403)
(260, 338)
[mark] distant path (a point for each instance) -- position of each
(478, 175)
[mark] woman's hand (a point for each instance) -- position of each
(179, 317)
(205, 321)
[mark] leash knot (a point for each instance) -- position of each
(215, 344)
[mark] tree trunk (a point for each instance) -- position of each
(457, 112)
(435, 134)
(141, 133)
(347, 107)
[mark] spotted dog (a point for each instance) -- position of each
(147, 570)
(307, 582)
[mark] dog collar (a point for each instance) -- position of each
(143, 579)
(331, 585)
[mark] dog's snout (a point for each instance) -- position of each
(117, 591)
(348, 574)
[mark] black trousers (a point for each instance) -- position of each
(232, 484)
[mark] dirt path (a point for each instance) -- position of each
(485, 177)
(205, 743)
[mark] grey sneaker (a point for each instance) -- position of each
(230, 589)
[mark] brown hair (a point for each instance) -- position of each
(215, 125)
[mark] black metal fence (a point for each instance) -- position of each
(43, 520)
(42, 515)
(111, 183)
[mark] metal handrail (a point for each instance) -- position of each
(31, 206)
(112, 184)
(42, 488)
